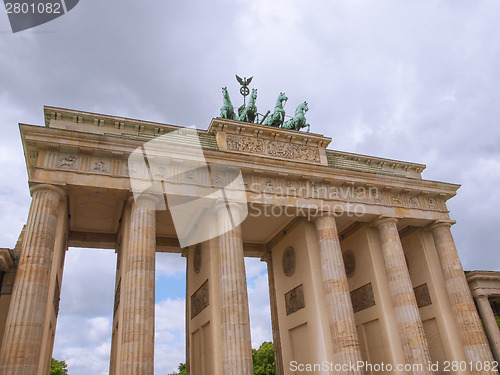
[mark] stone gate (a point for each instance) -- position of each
(361, 261)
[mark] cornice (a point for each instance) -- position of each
(36, 138)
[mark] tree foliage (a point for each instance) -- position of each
(263, 359)
(58, 367)
(182, 370)
(498, 321)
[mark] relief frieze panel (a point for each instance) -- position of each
(257, 182)
(273, 148)
(422, 295)
(362, 298)
(69, 161)
(294, 300)
(200, 299)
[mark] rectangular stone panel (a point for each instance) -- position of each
(267, 147)
(199, 300)
(422, 295)
(208, 348)
(301, 346)
(362, 298)
(435, 343)
(294, 300)
(196, 353)
(376, 352)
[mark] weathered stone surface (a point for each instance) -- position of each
(288, 261)
(235, 317)
(422, 296)
(338, 300)
(411, 330)
(362, 298)
(200, 299)
(197, 259)
(469, 326)
(22, 341)
(294, 300)
(272, 148)
(349, 262)
(138, 290)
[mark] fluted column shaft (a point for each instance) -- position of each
(469, 326)
(235, 322)
(490, 324)
(338, 299)
(138, 291)
(278, 355)
(410, 327)
(23, 335)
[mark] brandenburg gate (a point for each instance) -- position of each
(361, 261)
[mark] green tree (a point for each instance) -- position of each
(58, 367)
(498, 321)
(182, 370)
(263, 359)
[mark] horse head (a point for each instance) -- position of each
(253, 95)
(301, 109)
(224, 92)
(282, 97)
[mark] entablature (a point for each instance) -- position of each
(296, 166)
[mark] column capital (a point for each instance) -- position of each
(323, 214)
(156, 199)
(383, 220)
(481, 297)
(440, 223)
(55, 188)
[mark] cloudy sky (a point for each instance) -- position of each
(408, 80)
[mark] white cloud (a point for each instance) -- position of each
(169, 264)
(169, 335)
(258, 301)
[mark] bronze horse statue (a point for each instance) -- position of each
(248, 113)
(227, 110)
(278, 117)
(299, 119)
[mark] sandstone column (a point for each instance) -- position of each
(278, 356)
(411, 330)
(235, 319)
(469, 326)
(22, 340)
(138, 290)
(187, 315)
(338, 299)
(490, 324)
